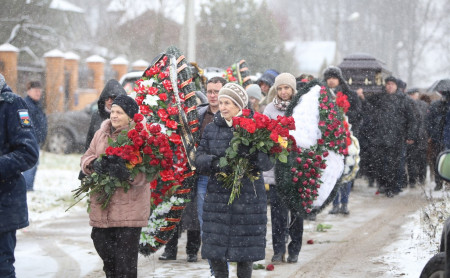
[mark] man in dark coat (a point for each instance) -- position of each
(111, 90)
(39, 121)
(392, 126)
(437, 123)
(417, 152)
(19, 151)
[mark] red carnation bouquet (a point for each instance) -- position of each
(262, 134)
(145, 150)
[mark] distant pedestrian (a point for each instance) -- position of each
(265, 82)
(254, 97)
(437, 123)
(392, 127)
(417, 153)
(19, 151)
(39, 121)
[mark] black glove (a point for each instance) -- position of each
(244, 151)
(215, 166)
(100, 166)
(117, 168)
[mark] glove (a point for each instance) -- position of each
(100, 166)
(215, 166)
(118, 169)
(245, 152)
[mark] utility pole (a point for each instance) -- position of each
(189, 30)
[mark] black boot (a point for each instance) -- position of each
(334, 210)
(344, 209)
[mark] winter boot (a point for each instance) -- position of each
(344, 209)
(334, 210)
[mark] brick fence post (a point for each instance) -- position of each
(54, 81)
(139, 65)
(71, 61)
(8, 65)
(97, 65)
(120, 66)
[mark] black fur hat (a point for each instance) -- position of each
(127, 104)
(390, 79)
(333, 71)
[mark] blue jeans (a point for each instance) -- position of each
(202, 184)
(7, 246)
(29, 176)
(344, 192)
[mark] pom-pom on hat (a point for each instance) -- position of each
(286, 78)
(127, 104)
(236, 93)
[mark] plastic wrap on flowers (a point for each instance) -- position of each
(239, 73)
(166, 96)
(307, 183)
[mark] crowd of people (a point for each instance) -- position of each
(400, 133)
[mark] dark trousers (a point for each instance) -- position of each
(7, 246)
(402, 178)
(192, 245)
(244, 269)
(118, 248)
(387, 162)
(416, 164)
(280, 228)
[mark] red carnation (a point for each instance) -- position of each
(162, 96)
(132, 134)
(139, 126)
(162, 114)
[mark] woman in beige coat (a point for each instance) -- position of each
(116, 229)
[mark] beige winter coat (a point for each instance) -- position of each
(131, 209)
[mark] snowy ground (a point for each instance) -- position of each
(58, 244)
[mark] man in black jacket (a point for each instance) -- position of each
(393, 126)
(39, 120)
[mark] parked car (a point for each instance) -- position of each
(67, 130)
(439, 265)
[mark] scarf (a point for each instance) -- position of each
(281, 104)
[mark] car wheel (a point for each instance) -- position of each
(435, 267)
(60, 141)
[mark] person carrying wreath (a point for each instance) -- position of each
(117, 228)
(286, 87)
(235, 232)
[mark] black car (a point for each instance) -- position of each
(67, 130)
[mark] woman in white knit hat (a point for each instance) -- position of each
(285, 86)
(235, 232)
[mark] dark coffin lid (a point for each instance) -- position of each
(362, 61)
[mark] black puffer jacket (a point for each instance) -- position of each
(235, 232)
(391, 118)
(112, 89)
